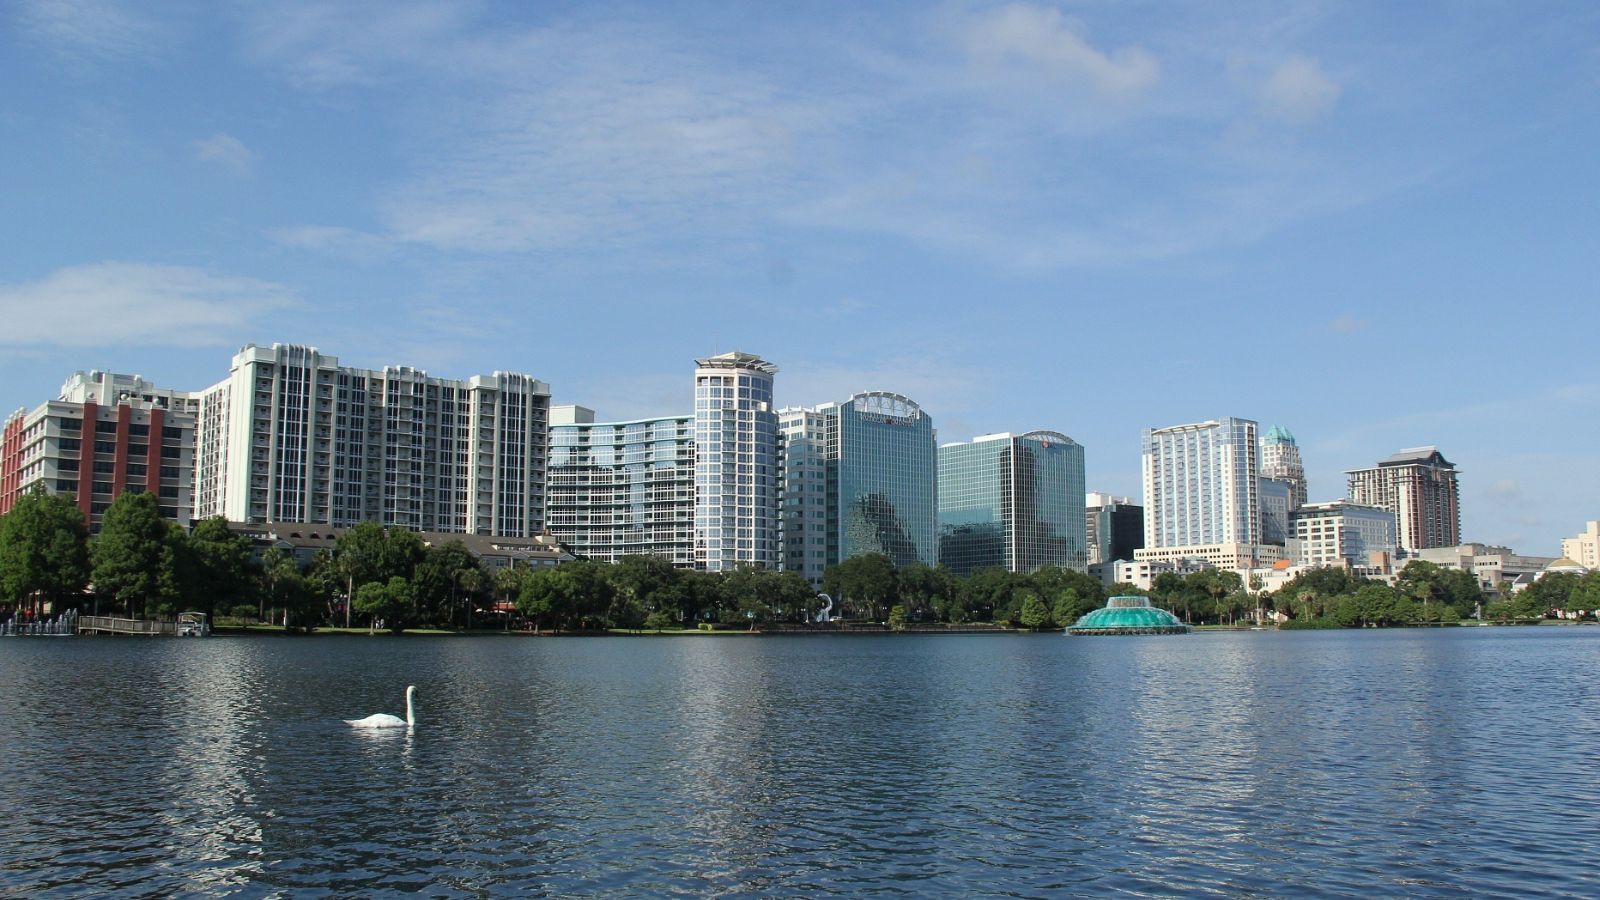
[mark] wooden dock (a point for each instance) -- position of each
(109, 625)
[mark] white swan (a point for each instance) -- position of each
(384, 720)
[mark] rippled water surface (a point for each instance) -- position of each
(1462, 761)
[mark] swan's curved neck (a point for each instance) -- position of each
(411, 716)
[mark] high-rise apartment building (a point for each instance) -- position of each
(1115, 527)
(105, 435)
(736, 463)
(1419, 486)
(1341, 533)
(1200, 484)
(292, 436)
(804, 435)
(621, 488)
(1012, 501)
(879, 462)
(1280, 460)
(1585, 548)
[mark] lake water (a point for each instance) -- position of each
(1449, 762)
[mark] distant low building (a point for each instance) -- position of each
(1491, 565)
(1220, 556)
(302, 541)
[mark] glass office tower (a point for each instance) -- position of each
(860, 477)
(882, 475)
(1012, 502)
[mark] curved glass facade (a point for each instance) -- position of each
(1012, 502)
(883, 474)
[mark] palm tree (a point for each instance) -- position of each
(470, 581)
(277, 564)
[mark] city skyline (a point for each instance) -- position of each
(1369, 225)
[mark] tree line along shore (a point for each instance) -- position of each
(142, 566)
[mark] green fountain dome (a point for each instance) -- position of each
(1128, 615)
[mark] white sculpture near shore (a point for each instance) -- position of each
(826, 613)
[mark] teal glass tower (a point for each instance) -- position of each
(1012, 502)
(859, 477)
(884, 479)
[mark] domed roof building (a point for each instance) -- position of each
(1128, 615)
(1562, 565)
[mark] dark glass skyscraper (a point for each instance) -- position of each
(876, 457)
(1012, 502)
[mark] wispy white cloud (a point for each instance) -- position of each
(91, 29)
(1011, 134)
(137, 304)
(325, 46)
(1299, 91)
(1028, 41)
(227, 151)
(348, 243)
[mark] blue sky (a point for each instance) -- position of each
(1373, 223)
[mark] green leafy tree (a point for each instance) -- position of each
(217, 566)
(954, 608)
(545, 596)
(1033, 614)
(325, 586)
(1070, 607)
(1550, 591)
(277, 567)
(1374, 605)
(1051, 582)
(507, 583)
(1169, 590)
(989, 594)
(389, 602)
(925, 591)
(44, 550)
(1586, 595)
(701, 596)
(571, 595)
(436, 579)
(897, 618)
(649, 582)
(1432, 585)
(133, 559)
(369, 552)
(863, 585)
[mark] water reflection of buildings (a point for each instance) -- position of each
(214, 760)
